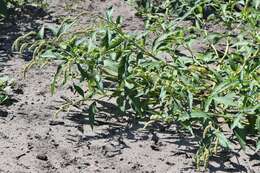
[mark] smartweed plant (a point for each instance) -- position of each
(198, 89)
(200, 12)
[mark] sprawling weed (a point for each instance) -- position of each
(204, 87)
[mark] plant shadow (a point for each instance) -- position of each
(118, 126)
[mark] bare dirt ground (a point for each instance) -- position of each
(32, 140)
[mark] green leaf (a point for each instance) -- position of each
(107, 39)
(135, 102)
(123, 66)
(54, 81)
(121, 101)
(92, 112)
(241, 136)
(49, 54)
(190, 98)
(109, 13)
(257, 124)
(162, 94)
(197, 114)
(227, 100)
(236, 122)
(111, 67)
(3, 8)
(161, 41)
(119, 20)
(84, 74)
(257, 4)
(3, 97)
(223, 141)
(208, 103)
(40, 34)
(115, 42)
(53, 28)
(64, 27)
(99, 82)
(79, 90)
(217, 90)
(129, 85)
(258, 145)
(223, 86)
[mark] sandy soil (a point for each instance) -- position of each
(32, 140)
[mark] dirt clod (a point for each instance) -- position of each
(155, 148)
(170, 163)
(3, 113)
(55, 123)
(42, 157)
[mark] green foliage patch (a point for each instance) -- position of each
(5, 87)
(206, 89)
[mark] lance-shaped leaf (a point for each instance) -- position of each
(217, 90)
(79, 90)
(258, 145)
(40, 34)
(54, 81)
(223, 141)
(92, 112)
